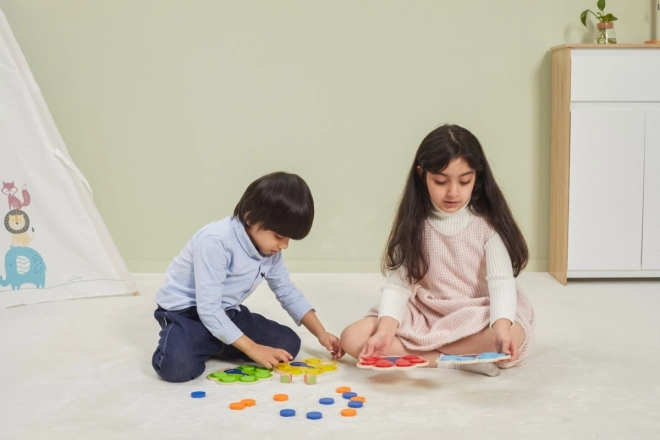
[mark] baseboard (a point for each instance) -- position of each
(314, 266)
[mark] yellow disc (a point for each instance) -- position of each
(283, 367)
(328, 367)
(313, 361)
(310, 370)
(295, 371)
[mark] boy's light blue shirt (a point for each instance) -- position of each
(217, 270)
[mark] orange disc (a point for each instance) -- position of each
(348, 412)
(237, 405)
(280, 397)
(251, 402)
(359, 399)
(343, 389)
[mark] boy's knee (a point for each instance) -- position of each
(291, 342)
(174, 369)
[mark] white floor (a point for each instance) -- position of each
(81, 369)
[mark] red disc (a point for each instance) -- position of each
(371, 358)
(411, 356)
(403, 363)
(367, 362)
(419, 360)
(383, 363)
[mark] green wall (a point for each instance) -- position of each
(172, 108)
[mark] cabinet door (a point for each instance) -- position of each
(606, 189)
(651, 230)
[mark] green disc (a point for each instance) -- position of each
(248, 379)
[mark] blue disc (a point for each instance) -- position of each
(391, 358)
(348, 395)
(355, 404)
(465, 358)
(197, 394)
(326, 400)
(491, 355)
(314, 415)
(448, 357)
(288, 412)
(235, 371)
(297, 364)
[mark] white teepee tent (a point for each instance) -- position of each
(54, 244)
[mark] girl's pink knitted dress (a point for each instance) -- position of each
(452, 300)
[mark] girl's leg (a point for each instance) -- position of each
(479, 343)
(482, 342)
(356, 335)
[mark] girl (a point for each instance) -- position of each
(452, 257)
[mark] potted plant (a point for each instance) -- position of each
(605, 26)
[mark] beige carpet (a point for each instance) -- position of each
(81, 369)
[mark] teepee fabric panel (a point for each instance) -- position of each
(53, 244)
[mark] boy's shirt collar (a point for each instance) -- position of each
(244, 239)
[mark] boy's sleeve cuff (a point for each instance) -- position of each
(299, 309)
(229, 334)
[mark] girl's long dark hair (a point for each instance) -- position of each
(405, 246)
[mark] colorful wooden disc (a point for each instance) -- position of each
(348, 412)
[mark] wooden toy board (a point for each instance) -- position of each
(389, 363)
(308, 366)
(251, 374)
(243, 375)
(490, 356)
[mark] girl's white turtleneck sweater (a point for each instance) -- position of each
(499, 272)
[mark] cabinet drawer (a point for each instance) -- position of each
(613, 75)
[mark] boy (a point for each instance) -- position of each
(199, 304)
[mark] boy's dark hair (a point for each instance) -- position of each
(281, 202)
(405, 246)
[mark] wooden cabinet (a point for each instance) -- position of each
(605, 162)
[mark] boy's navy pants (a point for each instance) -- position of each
(185, 343)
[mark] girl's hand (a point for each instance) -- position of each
(504, 340)
(269, 357)
(377, 345)
(331, 342)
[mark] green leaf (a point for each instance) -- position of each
(609, 18)
(583, 17)
(601, 5)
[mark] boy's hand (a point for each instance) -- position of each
(331, 342)
(504, 340)
(328, 340)
(269, 357)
